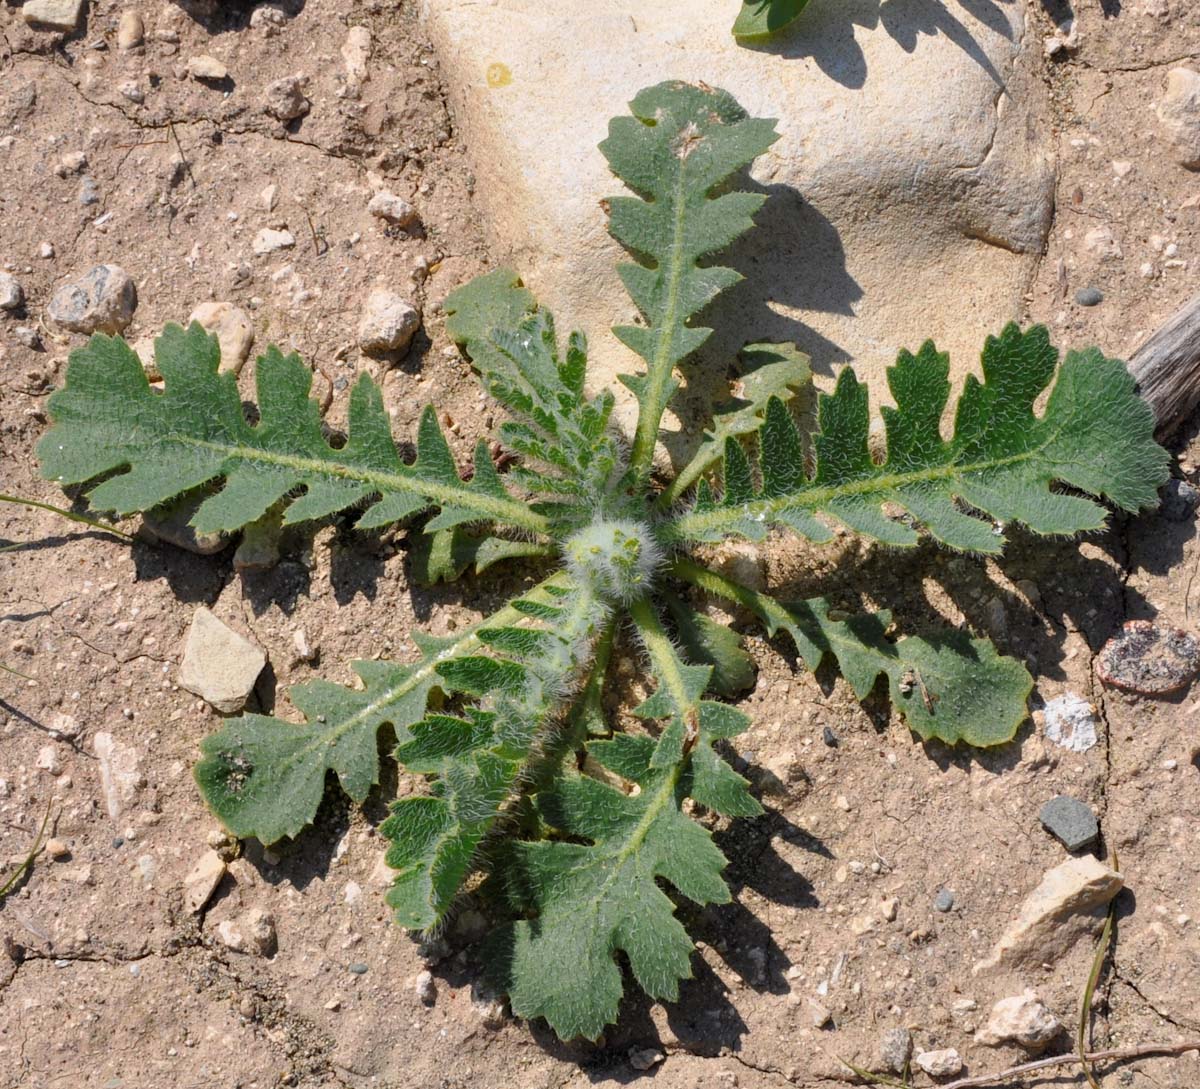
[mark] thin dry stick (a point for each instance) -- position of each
(1085, 1009)
(1116, 1054)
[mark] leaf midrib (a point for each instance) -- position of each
(503, 510)
(817, 498)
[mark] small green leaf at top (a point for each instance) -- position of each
(759, 20)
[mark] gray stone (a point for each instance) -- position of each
(943, 901)
(102, 300)
(1179, 115)
(89, 192)
(358, 969)
(59, 14)
(388, 323)
(1179, 498)
(219, 665)
(285, 99)
(895, 1049)
(1071, 822)
(1089, 296)
(12, 296)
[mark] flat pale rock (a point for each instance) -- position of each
(219, 665)
(1179, 114)
(1023, 1019)
(202, 880)
(120, 772)
(944, 1063)
(909, 194)
(1055, 914)
(59, 14)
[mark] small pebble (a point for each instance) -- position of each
(89, 192)
(268, 241)
(425, 987)
(131, 31)
(895, 1049)
(394, 209)
(940, 1064)
(56, 14)
(1179, 115)
(645, 1058)
(358, 969)
(12, 295)
(1071, 822)
(207, 69)
(1179, 498)
(57, 850)
(943, 901)
(829, 737)
(1089, 296)
(219, 665)
(388, 323)
(284, 99)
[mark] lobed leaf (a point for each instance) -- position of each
(680, 145)
(947, 686)
(154, 446)
(1095, 435)
(759, 20)
(587, 901)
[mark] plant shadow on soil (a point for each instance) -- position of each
(826, 33)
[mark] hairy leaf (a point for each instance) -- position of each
(759, 20)
(478, 759)
(1095, 435)
(947, 686)
(681, 143)
(109, 421)
(593, 899)
(705, 641)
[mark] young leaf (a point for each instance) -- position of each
(709, 643)
(478, 760)
(949, 687)
(1095, 435)
(681, 143)
(590, 900)
(107, 420)
(759, 20)
(773, 370)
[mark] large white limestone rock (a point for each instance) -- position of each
(910, 192)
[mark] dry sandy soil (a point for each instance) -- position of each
(107, 980)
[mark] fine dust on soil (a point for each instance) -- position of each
(107, 980)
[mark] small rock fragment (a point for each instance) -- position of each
(388, 323)
(940, 1064)
(206, 69)
(783, 776)
(1149, 659)
(1055, 914)
(285, 100)
(269, 197)
(57, 850)
(488, 1005)
(357, 968)
(131, 31)
(202, 881)
(895, 1050)
(1071, 822)
(48, 761)
(73, 162)
(819, 1014)
(59, 14)
(89, 192)
(46, 250)
(889, 908)
(1179, 115)
(1100, 241)
(219, 665)
(1023, 1018)
(120, 772)
(1089, 296)
(645, 1058)
(943, 901)
(1071, 722)
(425, 987)
(132, 90)
(1179, 498)
(268, 241)
(253, 932)
(12, 295)
(102, 300)
(356, 54)
(233, 328)
(385, 205)
(304, 649)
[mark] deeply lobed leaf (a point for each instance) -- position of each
(107, 420)
(1095, 435)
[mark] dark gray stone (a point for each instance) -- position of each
(102, 300)
(895, 1050)
(1071, 822)
(1089, 296)
(1179, 500)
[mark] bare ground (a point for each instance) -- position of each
(107, 980)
